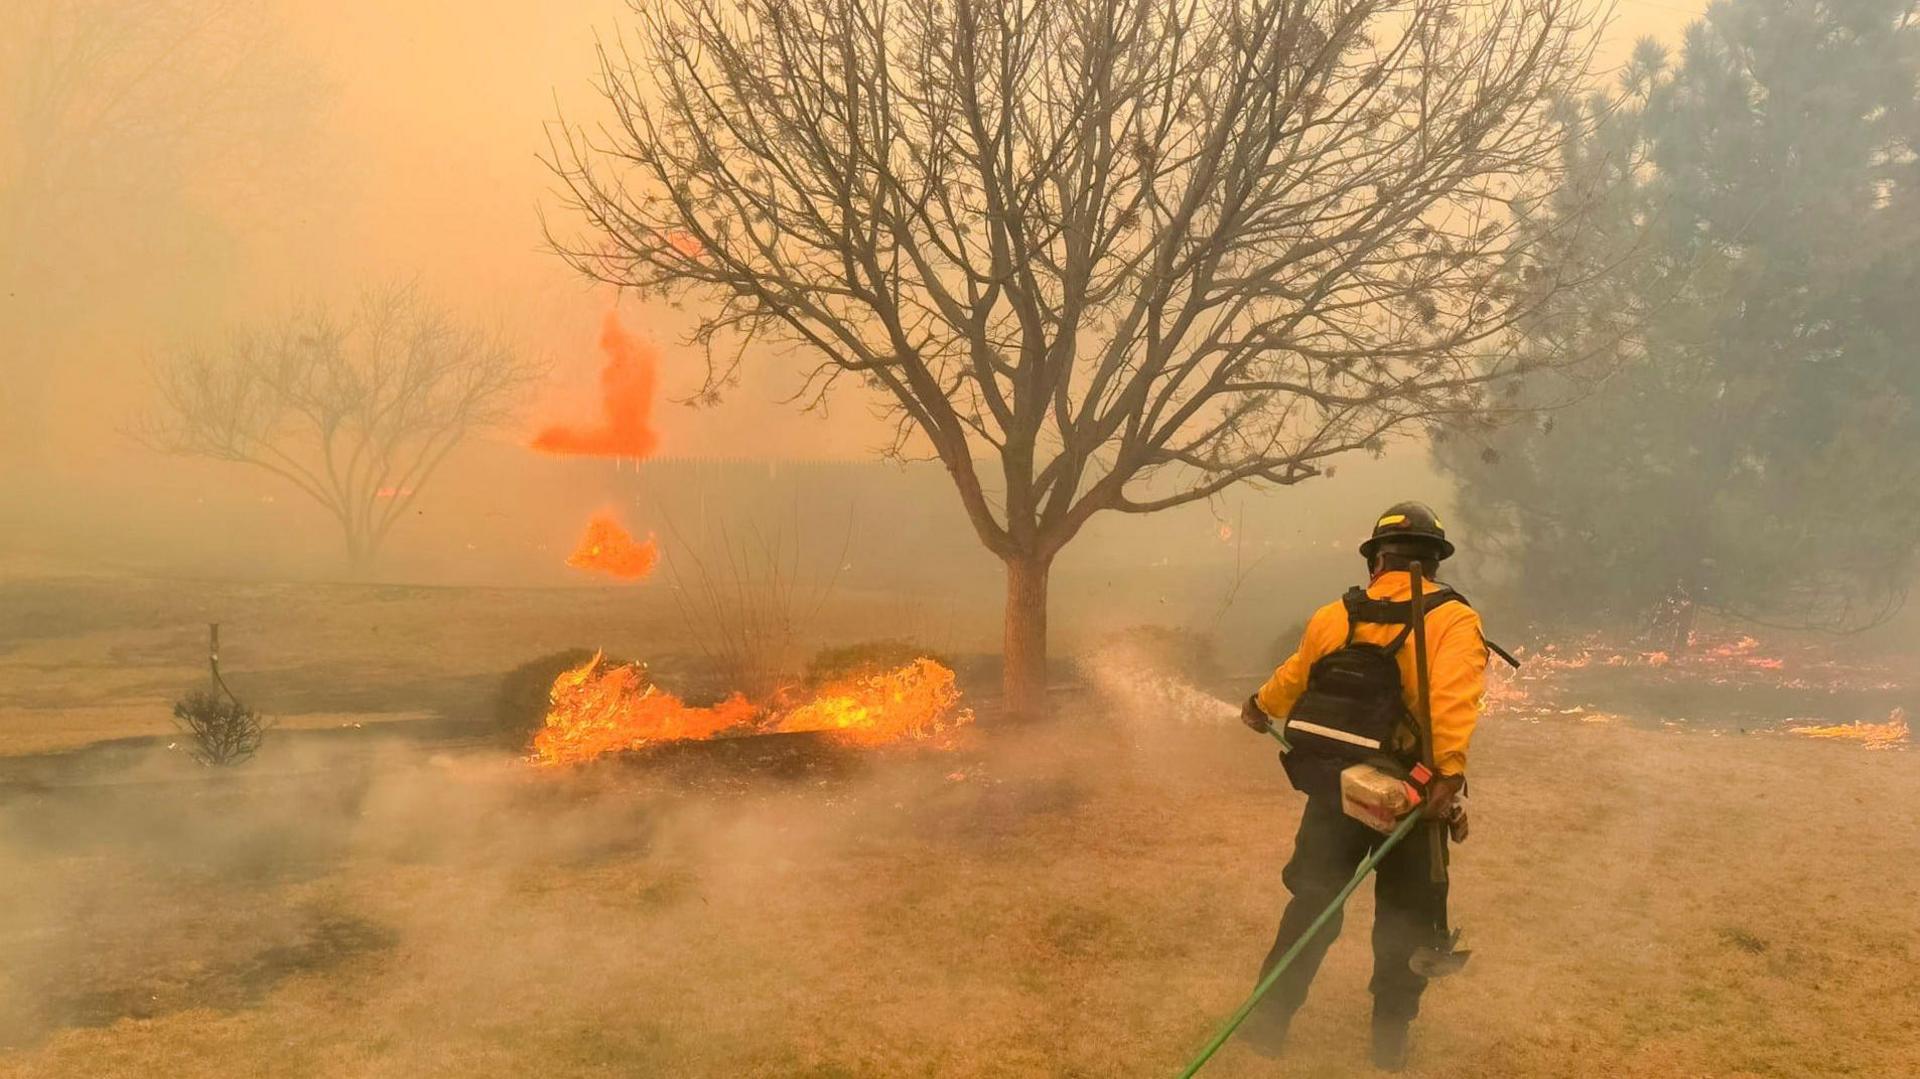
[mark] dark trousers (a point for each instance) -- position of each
(1410, 909)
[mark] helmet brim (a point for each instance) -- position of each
(1440, 544)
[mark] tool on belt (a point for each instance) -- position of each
(1444, 956)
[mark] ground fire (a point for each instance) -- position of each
(1891, 734)
(1793, 688)
(607, 547)
(602, 707)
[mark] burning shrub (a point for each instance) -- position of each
(520, 708)
(915, 700)
(865, 658)
(601, 707)
(223, 731)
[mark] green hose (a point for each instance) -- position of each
(1400, 832)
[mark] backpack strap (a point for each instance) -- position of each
(1385, 612)
(1354, 600)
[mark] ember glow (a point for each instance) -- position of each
(609, 548)
(600, 707)
(1801, 687)
(627, 386)
(1886, 735)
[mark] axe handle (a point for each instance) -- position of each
(1423, 686)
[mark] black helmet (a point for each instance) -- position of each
(1412, 521)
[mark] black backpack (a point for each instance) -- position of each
(1353, 710)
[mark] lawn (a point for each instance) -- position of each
(1082, 896)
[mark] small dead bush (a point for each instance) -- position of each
(221, 730)
(744, 598)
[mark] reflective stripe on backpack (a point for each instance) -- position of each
(1330, 732)
(1353, 708)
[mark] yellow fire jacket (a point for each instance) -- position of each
(1456, 666)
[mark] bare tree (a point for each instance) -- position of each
(356, 412)
(1095, 254)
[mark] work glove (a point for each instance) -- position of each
(1443, 794)
(1254, 716)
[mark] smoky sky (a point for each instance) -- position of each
(214, 165)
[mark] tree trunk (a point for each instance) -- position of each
(360, 555)
(1024, 676)
(1683, 615)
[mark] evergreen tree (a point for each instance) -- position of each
(1753, 451)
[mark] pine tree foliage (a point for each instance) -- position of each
(1754, 450)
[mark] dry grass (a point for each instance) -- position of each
(1075, 899)
(83, 659)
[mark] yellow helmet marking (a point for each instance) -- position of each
(1390, 519)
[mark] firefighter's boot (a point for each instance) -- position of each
(1391, 1038)
(1265, 1032)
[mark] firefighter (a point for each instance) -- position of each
(1348, 694)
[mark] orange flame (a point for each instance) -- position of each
(600, 708)
(608, 548)
(1893, 732)
(914, 701)
(626, 398)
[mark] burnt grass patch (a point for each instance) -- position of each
(229, 984)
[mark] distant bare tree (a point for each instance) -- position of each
(1136, 252)
(357, 412)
